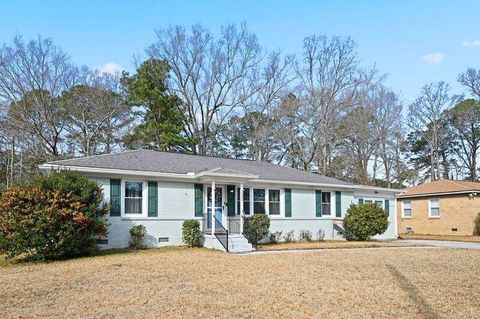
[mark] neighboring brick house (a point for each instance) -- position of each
(444, 207)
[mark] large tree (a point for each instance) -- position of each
(32, 77)
(331, 84)
(426, 120)
(163, 121)
(212, 76)
(95, 113)
(464, 123)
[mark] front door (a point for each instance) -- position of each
(217, 207)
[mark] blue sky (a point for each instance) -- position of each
(415, 42)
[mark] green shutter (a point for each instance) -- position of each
(231, 200)
(387, 206)
(318, 203)
(360, 201)
(288, 202)
(338, 204)
(198, 200)
(115, 198)
(152, 199)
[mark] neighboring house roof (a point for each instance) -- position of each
(441, 187)
(196, 165)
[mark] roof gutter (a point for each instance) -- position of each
(438, 194)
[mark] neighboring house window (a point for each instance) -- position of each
(246, 201)
(258, 201)
(326, 203)
(407, 208)
(133, 198)
(274, 202)
(434, 207)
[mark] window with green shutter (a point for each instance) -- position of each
(387, 206)
(198, 200)
(152, 199)
(115, 198)
(288, 202)
(360, 201)
(318, 203)
(338, 204)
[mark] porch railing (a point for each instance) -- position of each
(221, 233)
(234, 225)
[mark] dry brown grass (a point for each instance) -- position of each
(185, 283)
(330, 245)
(475, 239)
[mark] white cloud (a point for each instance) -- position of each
(110, 68)
(434, 58)
(474, 43)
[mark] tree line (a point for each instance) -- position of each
(226, 95)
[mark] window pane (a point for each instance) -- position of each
(274, 195)
(368, 201)
(259, 207)
(133, 205)
(133, 198)
(379, 203)
(407, 204)
(407, 212)
(325, 197)
(133, 189)
(274, 209)
(246, 201)
(434, 203)
(435, 211)
(258, 195)
(326, 209)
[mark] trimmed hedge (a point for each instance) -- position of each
(364, 221)
(191, 233)
(256, 227)
(56, 216)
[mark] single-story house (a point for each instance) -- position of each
(161, 190)
(443, 207)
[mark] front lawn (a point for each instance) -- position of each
(176, 283)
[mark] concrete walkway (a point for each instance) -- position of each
(409, 244)
(443, 243)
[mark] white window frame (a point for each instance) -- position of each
(279, 202)
(267, 200)
(332, 209)
(144, 199)
(430, 208)
(403, 209)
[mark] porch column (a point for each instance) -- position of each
(241, 209)
(212, 217)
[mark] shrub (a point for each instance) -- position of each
(55, 216)
(256, 227)
(320, 235)
(137, 237)
(289, 237)
(305, 235)
(476, 228)
(191, 233)
(275, 237)
(364, 221)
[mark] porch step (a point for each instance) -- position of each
(237, 243)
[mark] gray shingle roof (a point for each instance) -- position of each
(165, 162)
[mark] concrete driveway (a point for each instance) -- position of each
(443, 243)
